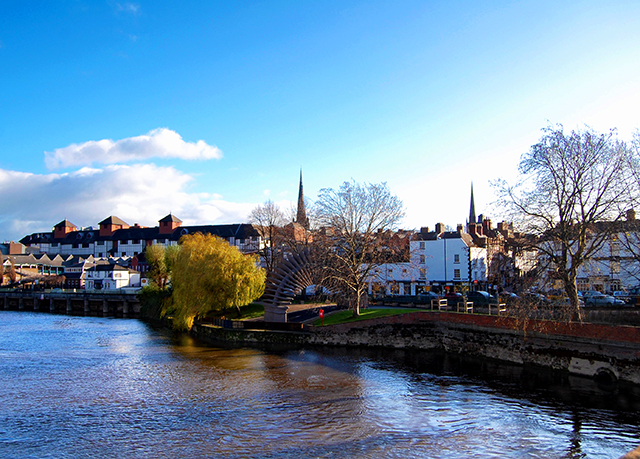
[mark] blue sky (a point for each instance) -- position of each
(207, 109)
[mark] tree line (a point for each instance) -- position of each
(572, 190)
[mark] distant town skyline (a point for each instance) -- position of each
(205, 110)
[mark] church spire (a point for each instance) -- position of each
(301, 216)
(472, 208)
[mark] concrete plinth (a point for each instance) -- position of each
(275, 313)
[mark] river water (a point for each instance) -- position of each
(74, 387)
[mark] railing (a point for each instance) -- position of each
(441, 304)
(500, 308)
(466, 306)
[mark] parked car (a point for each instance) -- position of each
(481, 298)
(426, 297)
(634, 296)
(534, 297)
(564, 301)
(454, 297)
(508, 298)
(598, 299)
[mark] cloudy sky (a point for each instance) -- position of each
(206, 109)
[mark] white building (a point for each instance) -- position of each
(448, 257)
(111, 277)
(395, 279)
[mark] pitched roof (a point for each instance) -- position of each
(434, 236)
(65, 223)
(113, 220)
(170, 218)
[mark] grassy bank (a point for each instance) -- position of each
(342, 317)
(249, 311)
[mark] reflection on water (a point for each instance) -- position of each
(93, 387)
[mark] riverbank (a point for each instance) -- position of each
(608, 353)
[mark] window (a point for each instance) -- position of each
(124, 254)
(422, 245)
(456, 274)
(456, 258)
(421, 259)
(54, 244)
(135, 241)
(85, 245)
(100, 242)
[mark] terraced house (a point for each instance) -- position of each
(116, 238)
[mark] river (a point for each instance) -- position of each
(73, 387)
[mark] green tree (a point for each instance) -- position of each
(160, 260)
(208, 275)
(354, 219)
(13, 276)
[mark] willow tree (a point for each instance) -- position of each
(573, 187)
(160, 260)
(354, 219)
(209, 275)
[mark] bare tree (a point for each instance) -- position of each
(269, 221)
(572, 187)
(629, 232)
(354, 219)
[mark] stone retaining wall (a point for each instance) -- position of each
(608, 352)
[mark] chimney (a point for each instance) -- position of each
(439, 228)
(459, 228)
(424, 230)
(631, 215)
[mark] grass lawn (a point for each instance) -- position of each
(347, 316)
(250, 311)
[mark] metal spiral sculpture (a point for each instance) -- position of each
(292, 275)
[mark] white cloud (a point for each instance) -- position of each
(128, 7)
(158, 143)
(140, 193)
